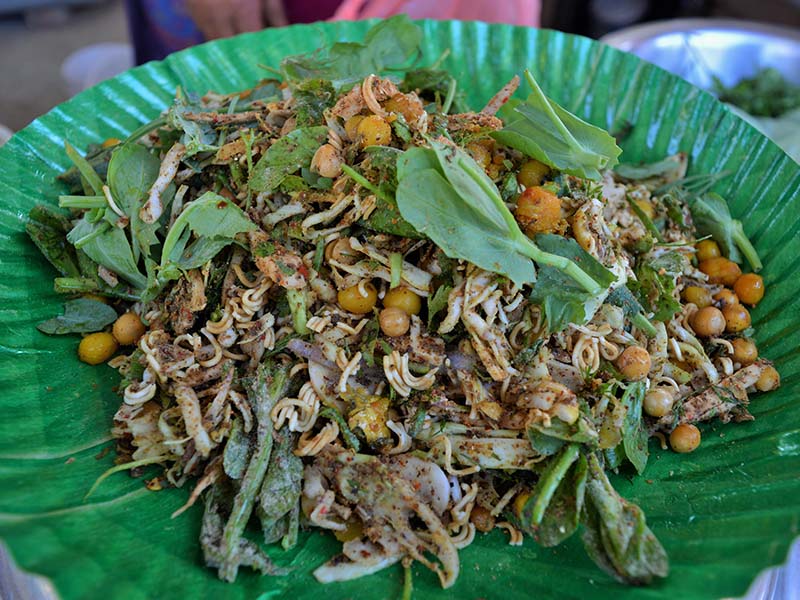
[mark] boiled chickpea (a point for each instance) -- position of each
(326, 161)
(684, 438)
(128, 328)
(737, 318)
(404, 299)
(699, 296)
(725, 297)
(359, 299)
(538, 211)
(532, 172)
(658, 402)
(744, 351)
(634, 363)
(720, 270)
(769, 380)
(482, 519)
(750, 288)
(351, 126)
(373, 131)
(341, 251)
(97, 348)
(480, 154)
(708, 322)
(394, 322)
(707, 249)
(407, 105)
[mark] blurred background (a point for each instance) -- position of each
(51, 49)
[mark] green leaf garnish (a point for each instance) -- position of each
(81, 315)
(543, 130)
(713, 217)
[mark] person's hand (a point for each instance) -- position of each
(224, 18)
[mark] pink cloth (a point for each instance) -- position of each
(515, 12)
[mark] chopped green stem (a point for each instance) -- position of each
(82, 201)
(451, 94)
(297, 304)
(97, 231)
(146, 128)
(408, 582)
(396, 266)
(124, 467)
(550, 480)
(319, 253)
(348, 436)
(82, 285)
(746, 247)
(86, 170)
(365, 183)
(644, 325)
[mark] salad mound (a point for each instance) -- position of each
(345, 301)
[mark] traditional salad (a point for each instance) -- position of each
(345, 301)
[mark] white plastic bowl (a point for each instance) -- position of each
(92, 64)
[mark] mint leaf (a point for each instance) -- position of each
(286, 156)
(80, 316)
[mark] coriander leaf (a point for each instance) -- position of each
(446, 196)
(634, 434)
(616, 535)
(286, 156)
(438, 302)
(80, 316)
(655, 283)
(543, 130)
(389, 45)
(712, 217)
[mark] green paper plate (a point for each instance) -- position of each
(723, 513)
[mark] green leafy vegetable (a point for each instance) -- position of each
(286, 156)
(446, 196)
(438, 302)
(85, 168)
(280, 492)
(616, 535)
(312, 98)
(634, 433)
(80, 316)
(543, 130)
(237, 451)
(655, 283)
(766, 94)
(563, 301)
(198, 136)
(712, 217)
(48, 229)
(622, 297)
(552, 513)
(350, 439)
(269, 386)
(388, 46)
(654, 175)
(549, 440)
